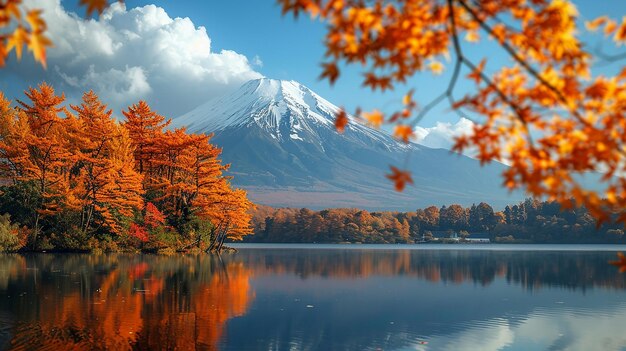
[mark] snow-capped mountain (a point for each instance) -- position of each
(280, 138)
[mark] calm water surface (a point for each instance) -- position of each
(324, 297)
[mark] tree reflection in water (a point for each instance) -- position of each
(63, 302)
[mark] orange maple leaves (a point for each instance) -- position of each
(399, 178)
(25, 29)
(28, 28)
(544, 114)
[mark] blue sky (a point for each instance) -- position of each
(293, 49)
(289, 49)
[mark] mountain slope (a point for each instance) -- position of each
(281, 141)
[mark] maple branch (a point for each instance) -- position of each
(496, 18)
(530, 69)
(461, 58)
(451, 84)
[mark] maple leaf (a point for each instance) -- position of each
(408, 98)
(436, 67)
(476, 75)
(620, 262)
(593, 25)
(620, 34)
(341, 120)
(472, 36)
(610, 27)
(17, 41)
(37, 44)
(403, 132)
(400, 178)
(375, 118)
(330, 71)
(11, 9)
(36, 23)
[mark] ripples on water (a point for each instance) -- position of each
(323, 298)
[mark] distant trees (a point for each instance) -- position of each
(76, 178)
(453, 217)
(528, 221)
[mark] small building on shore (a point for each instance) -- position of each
(452, 236)
(478, 238)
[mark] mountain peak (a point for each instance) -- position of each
(283, 109)
(281, 140)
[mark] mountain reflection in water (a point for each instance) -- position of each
(314, 299)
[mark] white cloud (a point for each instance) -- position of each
(132, 54)
(256, 60)
(443, 133)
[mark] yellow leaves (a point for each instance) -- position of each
(399, 178)
(620, 262)
(610, 27)
(37, 44)
(33, 38)
(30, 29)
(17, 40)
(436, 67)
(37, 24)
(620, 34)
(596, 23)
(341, 120)
(472, 36)
(408, 98)
(313, 8)
(10, 9)
(403, 132)
(565, 7)
(375, 118)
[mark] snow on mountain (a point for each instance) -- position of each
(285, 109)
(280, 138)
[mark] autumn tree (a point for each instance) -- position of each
(41, 150)
(543, 112)
(184, 178)
(107, 184)
(144, 127)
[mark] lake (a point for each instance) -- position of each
(318, 297)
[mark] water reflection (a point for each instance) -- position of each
(278, 299)
(64, 302)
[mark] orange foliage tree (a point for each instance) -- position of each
(144, 127)
(106, 181)
(80, 163)
(543, 112)
(184, 178)
(37, 140)
(92, 175)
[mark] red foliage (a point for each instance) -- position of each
(153, 217)
(138, 232)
